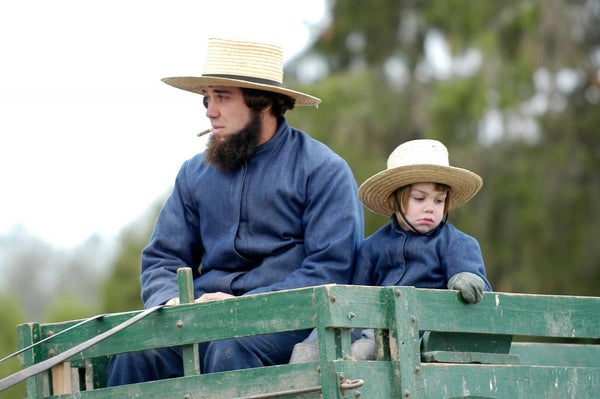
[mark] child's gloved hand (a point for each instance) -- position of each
(470, 286)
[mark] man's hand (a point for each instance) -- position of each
(470, 286)
(213, 296)
(172, 302)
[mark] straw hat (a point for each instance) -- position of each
(418, 161)
(242, 64)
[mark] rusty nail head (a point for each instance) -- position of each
(179, 324)
(406, 393)
(398, 292)
(413, 319)
(51, 352)
(418, 369)
(332, 298)
(186, 396)
(357, 394)
(351, 316)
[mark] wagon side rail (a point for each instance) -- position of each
(430, 344)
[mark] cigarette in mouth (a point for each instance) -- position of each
(202, 133)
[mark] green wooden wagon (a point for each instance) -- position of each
(506, 346)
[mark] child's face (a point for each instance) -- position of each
(425, 209)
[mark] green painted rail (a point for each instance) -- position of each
(467, 350)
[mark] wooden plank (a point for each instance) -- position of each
(100, 372)
(453, 347)
(465, 342)
(61, 379)
(382, 344)
(182, 325)
(327, 341)
(468, 357)
(357, 307)
(89, 374)
(190, 355)
(516, 314)
(232, 384)
(557, 354)
(27, 334)
(405, 355)
(261, 382)
(515, 382)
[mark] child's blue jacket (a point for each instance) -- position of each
(392, 256)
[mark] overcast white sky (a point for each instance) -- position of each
(89, 135)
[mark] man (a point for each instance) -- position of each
(264, 208)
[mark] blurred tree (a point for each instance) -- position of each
(36, 272)
(512, 89)
(121, 290)
(43, 283)
(28, 278)
(69, 306)
(10, 317)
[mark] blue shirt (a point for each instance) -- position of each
(392, 256)
(288, 218)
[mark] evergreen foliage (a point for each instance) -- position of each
(10, 316)
(535, 217)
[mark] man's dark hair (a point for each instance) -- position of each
(260, 99)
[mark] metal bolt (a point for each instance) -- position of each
(179, 324)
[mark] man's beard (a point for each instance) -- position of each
(238, 148)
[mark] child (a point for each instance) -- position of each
(418, 247)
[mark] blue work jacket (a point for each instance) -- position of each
(393, 256)
(288, 218)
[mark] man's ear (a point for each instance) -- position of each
(266, 110)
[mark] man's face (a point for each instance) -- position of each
(233, 141)
(226, 109)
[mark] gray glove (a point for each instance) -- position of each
(470, 286)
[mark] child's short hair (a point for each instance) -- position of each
(403, 194)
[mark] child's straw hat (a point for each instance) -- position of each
(242, 64)
(418, 161)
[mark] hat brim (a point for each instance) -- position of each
(376, 192)
(195, 84)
